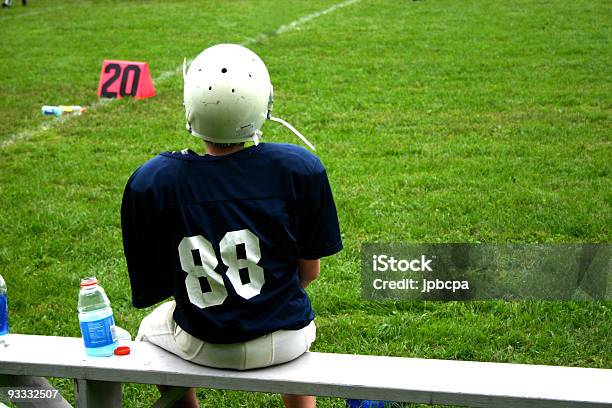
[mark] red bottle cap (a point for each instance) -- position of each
(122, 351)
(89, 281)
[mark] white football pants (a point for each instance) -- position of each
(279, 347)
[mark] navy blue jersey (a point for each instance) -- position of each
(222, 234)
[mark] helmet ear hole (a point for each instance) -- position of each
(224, 70)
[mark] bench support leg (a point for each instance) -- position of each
(39, 383)
(98, 394)
(169, 397)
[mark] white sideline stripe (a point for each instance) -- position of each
(300, 21)
(29, 133)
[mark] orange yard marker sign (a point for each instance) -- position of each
(125, 78)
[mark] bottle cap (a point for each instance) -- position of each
(122, 351)
(89, 281)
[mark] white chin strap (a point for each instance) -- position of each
(294, 130)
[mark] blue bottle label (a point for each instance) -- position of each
(99, 333)
(3, 314)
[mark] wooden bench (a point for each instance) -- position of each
(324, 374)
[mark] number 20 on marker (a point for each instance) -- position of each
(120, 79)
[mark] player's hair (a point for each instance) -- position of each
(225, 145)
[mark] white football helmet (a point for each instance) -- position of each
(228, 95)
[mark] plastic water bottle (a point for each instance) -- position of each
(51, 110)
(3, 308)
(62, 109)
(74, 109)
(96, 319)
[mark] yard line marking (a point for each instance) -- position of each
(300, 21)
(282, 29)
(43, 127)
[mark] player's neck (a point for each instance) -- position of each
(222, 151)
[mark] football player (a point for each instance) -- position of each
(234, 235)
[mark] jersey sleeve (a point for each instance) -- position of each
(319, 234)
(150, 279)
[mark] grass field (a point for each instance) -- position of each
(438, 121)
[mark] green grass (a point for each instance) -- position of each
(438, 121)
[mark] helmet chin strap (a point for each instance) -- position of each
(294, 130)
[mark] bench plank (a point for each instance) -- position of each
(428, 381)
